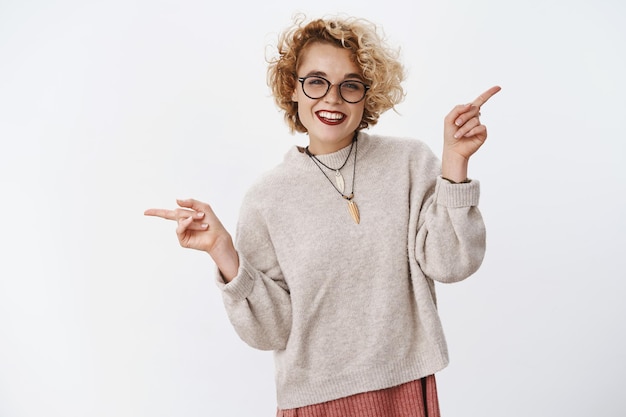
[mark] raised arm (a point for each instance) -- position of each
(450, 243)
(256, 298)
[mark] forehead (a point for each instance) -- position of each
(327, 58)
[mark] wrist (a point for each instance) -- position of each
(226, 258)
(454, 167)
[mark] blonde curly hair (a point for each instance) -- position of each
(379, 64)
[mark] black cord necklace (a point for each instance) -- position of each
(352, 207)
(338, 177)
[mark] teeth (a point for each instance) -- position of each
(329, 115)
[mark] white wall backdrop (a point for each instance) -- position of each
(110, 107)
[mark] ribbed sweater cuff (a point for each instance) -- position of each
(240, 286)
(457, 195)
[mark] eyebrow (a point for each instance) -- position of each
(345, 77)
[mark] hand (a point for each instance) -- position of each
(199, 228)
(463, 136)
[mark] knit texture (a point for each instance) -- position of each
(350, 308)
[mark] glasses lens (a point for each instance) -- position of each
(352, 91)
(315, 87)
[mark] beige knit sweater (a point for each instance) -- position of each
(347, 307)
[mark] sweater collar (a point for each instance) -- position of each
(297, 155)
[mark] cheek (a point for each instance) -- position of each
(359, 113)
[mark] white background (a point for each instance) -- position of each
(108, 108)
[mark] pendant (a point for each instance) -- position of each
(352, 208)
(354, 211)
(340, 182)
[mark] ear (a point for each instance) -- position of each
(294, 96)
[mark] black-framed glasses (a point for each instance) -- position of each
(351, 91)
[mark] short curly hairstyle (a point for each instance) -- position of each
(379, 64)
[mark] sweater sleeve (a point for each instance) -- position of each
(257, 300)
(450, 243)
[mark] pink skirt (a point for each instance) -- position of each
(413, 399)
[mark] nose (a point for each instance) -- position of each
(333, 95)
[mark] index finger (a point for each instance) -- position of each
(162, 213)
(482, 99)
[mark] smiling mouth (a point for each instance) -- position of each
(330, 118)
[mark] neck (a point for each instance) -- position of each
(317, 147)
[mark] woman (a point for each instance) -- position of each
(338, 247)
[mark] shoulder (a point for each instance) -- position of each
(397, 146)
(269, 185)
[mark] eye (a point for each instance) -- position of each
(315, 81)
(352, 85)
